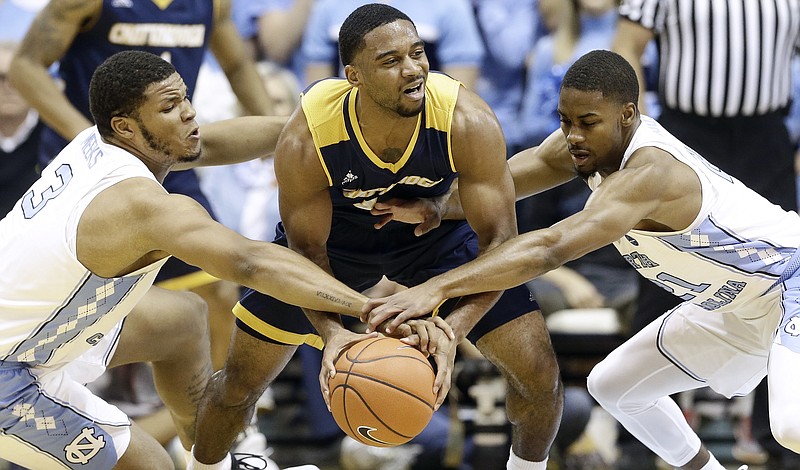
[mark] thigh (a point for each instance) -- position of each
(727, 351)
(639, 371)
(158, 324)
(52, 421)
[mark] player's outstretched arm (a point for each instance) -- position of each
(237, 140)
(622, 201)
(136, 222)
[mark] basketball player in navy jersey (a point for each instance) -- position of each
(389, 129)
(80, 35)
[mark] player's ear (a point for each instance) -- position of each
(628, 114)
(123, 127)
(352, 75)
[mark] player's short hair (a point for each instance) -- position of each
(606, 72)
(360, 22)
(118, 85)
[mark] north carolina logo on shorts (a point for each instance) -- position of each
(793, 327)
(84, 447)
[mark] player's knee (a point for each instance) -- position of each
(232, 390)
(190, 320)
(540, 385)
(786, 429)
(600, 384)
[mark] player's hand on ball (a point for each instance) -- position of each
(385, 314)
(434, 337)
(425, 333)
(334, 346)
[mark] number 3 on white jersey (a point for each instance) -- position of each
(63, 175)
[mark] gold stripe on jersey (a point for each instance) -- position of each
(323, 106)
(274, 333)
(440, 100)
(188, 282)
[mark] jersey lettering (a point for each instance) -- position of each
(639, 260)
(91, 150)
(663, 278)
(157, 34)
(369, 193)
(30, 209)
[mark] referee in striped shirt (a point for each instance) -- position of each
(724, 87)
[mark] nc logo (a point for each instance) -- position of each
(84, 447)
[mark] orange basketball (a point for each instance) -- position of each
(382, 393)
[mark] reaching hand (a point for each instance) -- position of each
(411, 303)
(426, 213)
(335, 346)
(433, 336)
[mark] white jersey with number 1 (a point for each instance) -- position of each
(726, 266)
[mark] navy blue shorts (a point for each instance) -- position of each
(359, 256)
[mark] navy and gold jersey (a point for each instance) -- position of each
(176, 30)
(359, 254)
(357, 176)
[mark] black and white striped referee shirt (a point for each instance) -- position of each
(722, 57)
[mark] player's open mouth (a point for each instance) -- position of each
(415, 92)
(579, 153)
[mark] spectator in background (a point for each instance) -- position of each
(724, 88)
(19, 137)
(579, 27)
(19, 123)
(509, 29)
(16, 16)
(793, 119)
(281, 24)
(244, 196)
(448, 27)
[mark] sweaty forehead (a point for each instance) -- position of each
(392, 35)
(172, 84)
(582, 101)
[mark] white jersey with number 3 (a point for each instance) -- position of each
(52, 309)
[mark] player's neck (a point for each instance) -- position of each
(385, 132)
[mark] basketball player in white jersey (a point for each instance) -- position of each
(78, 255)
(729, 253)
